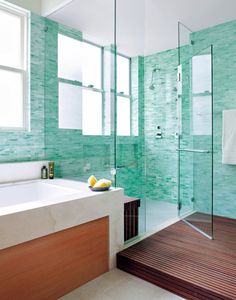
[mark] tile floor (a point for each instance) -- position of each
(118, 285)
(154, 213)
(159, 212)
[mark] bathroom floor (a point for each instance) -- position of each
(119, 285)
(184, 261)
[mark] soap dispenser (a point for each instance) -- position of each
(44, 173)
(51, 169)
(159, 132)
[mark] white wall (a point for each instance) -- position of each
(33, 5)
(49, 6)
(42, 7)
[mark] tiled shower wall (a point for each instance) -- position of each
(160, 155)
(223, 39)
(161, 160)
(150, 165)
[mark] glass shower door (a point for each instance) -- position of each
(195, 146)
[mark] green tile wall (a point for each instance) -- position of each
(222, 37)
(150, 165)
(75, 155)
(161, 161)
(130, 150)
(29, 145)
(195, 175)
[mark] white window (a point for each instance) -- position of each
(80, 85)
(92, 113)
(13, 68)
(123, 116)
(123, 96)
(70, 57)
(123, 75)
(70, 106)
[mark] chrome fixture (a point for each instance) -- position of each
(193, 150)
(152, 85)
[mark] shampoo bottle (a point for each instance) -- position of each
(51, 169)
(44, 173)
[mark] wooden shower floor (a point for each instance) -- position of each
(183, 261)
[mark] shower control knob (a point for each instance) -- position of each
(159, 132)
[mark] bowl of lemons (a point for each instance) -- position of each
(99, 185)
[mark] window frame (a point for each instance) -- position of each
(90, 88)
(99, 90)
(24, 70)
(129, 96)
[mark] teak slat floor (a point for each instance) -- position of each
(185, 262)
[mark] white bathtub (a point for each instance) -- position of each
(37, 208)
(33, 191)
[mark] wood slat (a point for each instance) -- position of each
(186, 263)
(131, 208)
(51, 266)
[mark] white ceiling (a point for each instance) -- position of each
(143, 26)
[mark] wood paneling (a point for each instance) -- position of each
(131, 216)
(184, 262)
(51, 266)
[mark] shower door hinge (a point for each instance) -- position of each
(179, 205)
(179, 76)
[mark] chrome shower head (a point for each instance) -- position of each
(152, 85)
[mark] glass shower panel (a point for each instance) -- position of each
(79, 113)
(130, 46)
(202, 137)
(195, 135)
(185, 190)
(147, 160)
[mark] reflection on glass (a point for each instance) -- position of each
(11, 99)
(10, 37)
(202, 115)
(201, 73)
(92, 113)
(70, 106)
(195, 142)
(123, 116)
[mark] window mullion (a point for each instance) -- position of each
(79, 83)
(12, 69)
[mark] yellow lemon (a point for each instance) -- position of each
(108, 182)
(92, 180)
(102, 183)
